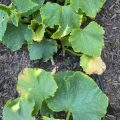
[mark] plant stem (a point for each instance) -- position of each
(66, 2)
(48, 31)
(68, 116)
(76, 54)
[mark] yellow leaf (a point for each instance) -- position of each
(92, 65)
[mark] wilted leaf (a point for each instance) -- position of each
(63, 16)
(19, 109)
(92, 65)
(81, 96)
(44, 49)
(89, 40)
(90, 7)
(37, 85)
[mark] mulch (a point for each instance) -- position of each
(11, 63)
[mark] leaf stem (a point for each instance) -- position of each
(72, 52)
(68, 115)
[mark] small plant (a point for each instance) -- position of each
(44, 27)
(46, 93)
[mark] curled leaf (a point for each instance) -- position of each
(63, 16)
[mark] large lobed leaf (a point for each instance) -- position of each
(89, 40)
(90, 7)
(19, 109)
(63, 16)
(37, 85)
(80, 95)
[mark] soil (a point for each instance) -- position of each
(12, 63)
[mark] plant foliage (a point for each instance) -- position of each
(40, 25)
(69, 91)
(44, 27)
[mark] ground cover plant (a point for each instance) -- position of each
(46, 27)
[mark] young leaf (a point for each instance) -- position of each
(38, 30)
(3, 23)
(89, 40)
(63, 16)
(19, 109)
(15, 37)
(90, 7)
(44, 49)
(92, 65)
(81, 96)
(37, 85)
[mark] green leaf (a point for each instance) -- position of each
(27, 7)
(37, 85)
(81, 96)
(15, 17)
(89, 40)
(92, 65)
(40, 2)
(65, 42)
(24, 6)
(38, 30)
(63, 16)
(19, 109)
(45, 110)
(3, 23)
(60, 76)
(44, 49)
(90, 7)
(15, 37)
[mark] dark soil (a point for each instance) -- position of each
(12, 63)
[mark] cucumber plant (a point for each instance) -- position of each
(44, 27)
